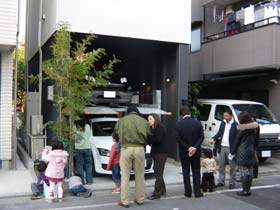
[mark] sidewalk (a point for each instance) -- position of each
(17, 183)
(172, 176)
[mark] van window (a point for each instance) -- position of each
(219, 112)
(262, 114)
(204, 111)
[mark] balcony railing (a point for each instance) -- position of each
(241, 29)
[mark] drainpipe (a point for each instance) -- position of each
(14, 144)
(40, 59)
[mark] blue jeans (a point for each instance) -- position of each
(84, 162)
(116, 172)
(79, 189)
(36, 189)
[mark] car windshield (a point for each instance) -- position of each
(262, 113)
(103, 128)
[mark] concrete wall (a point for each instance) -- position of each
(197, 10)
(6, 84)
(195, 66)
(49, 11)
(8, 22)
(244, 51)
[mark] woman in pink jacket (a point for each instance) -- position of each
(57, 159)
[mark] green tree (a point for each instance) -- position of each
(20, 76)
(194, 89)
(73, 72)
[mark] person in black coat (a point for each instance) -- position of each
(244, 150)
(159, 153)
(190, 137)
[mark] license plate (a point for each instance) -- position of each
(266, 153)
(110, 94)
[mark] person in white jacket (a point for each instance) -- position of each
(208, 165)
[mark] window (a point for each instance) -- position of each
(204, 111)
(262, 113)
(219, 112)
(195, 39)
(103, 128)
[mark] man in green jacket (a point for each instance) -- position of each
(133, 133)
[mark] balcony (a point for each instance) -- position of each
(250, 47)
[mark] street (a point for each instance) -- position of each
(266, 193)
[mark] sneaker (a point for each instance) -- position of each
(231, 186)
(35, 197)
(60, 200)
(116, 190)
(87, 194)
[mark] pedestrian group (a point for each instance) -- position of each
(235, 143)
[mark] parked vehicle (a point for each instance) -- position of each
(102, 129)
(211, 115)
(112, 93)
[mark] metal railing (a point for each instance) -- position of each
(241, 29)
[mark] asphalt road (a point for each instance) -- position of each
(265, 197)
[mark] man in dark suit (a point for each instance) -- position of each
(190, 137)
(224, 141)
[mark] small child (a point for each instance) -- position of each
(57, 159)
(77, 188)
(114, 165)
(208, 165)
(38, 188)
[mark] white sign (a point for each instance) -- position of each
(162, 20)
(110, 94)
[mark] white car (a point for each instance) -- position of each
(102, 129)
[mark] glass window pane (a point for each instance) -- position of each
(196, 40)
(219, 112)
(204, 111)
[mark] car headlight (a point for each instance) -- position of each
(278, 139)
(104, 152)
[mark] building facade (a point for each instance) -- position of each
(235, 52)
(8, 30)
(153, 49)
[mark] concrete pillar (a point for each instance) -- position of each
(274, 98)
(182, 75)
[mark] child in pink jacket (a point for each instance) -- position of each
(57, 159)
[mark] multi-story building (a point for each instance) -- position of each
(151, 38)
(235, 50)
(8, 30)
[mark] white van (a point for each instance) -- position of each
(211, 115)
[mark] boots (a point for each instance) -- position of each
(246, 185)
(249, 185)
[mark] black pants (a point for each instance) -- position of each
(208, 182)
(159, 164)
(194, 164)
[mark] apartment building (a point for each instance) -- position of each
(8, 29)
(235, 50)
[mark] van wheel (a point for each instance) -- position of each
(262, 159)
